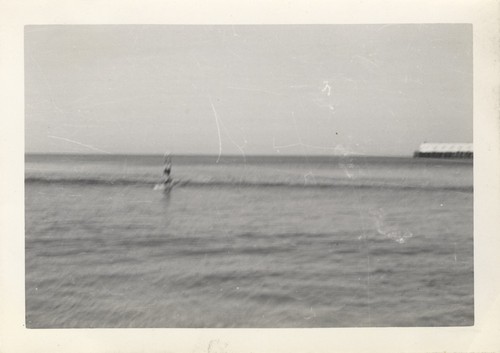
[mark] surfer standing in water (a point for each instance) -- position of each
(167, 180)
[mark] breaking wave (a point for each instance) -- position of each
(214, 182)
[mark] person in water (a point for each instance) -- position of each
(167, 169)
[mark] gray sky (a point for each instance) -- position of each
(330, 89)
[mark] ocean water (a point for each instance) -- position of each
(248, 242)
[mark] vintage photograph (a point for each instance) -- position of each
(248, 176)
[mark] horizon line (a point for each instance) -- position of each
(216, 155)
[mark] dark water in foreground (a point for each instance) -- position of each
(256, 242)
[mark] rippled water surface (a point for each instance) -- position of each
(254, 242)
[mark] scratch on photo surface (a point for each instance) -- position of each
(301, 144)
(233, 142)
(220, 124)
(78, 143)
(313, 314)
(218, 129)
(309, 178)
(327, 88)
(398, 235)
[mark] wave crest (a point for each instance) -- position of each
(330, 184)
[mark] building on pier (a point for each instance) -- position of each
(444, 150)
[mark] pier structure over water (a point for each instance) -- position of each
(444, 150)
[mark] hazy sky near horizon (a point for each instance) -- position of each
(301, 89)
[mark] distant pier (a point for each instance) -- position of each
(444, 150)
